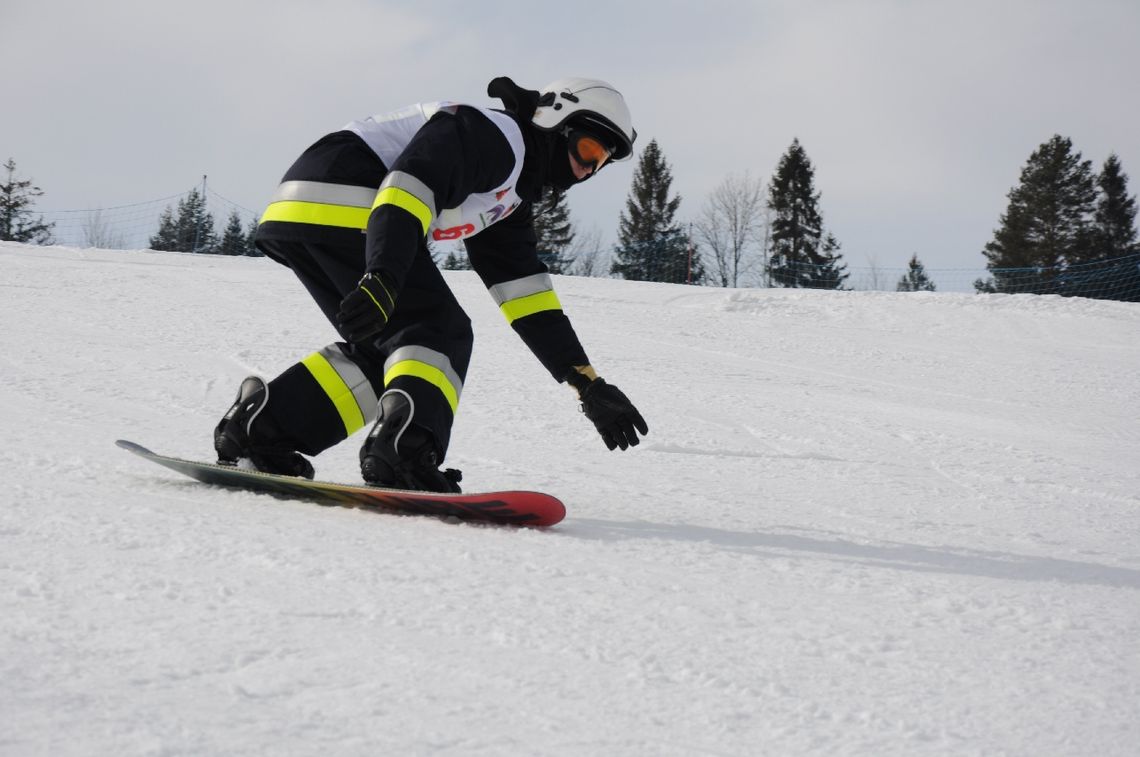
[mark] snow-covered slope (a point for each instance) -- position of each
(862, 523)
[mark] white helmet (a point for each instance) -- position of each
(588, 102)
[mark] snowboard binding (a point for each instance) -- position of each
(402, 455)
(246, 432)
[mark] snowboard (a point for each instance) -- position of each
(514, 508)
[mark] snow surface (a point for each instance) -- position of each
(862, 524)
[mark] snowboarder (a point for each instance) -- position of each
(351, 218)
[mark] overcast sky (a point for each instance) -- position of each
(918, 116)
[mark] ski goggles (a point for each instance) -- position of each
(588, 150)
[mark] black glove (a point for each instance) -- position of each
(612, 413)
(365, 311)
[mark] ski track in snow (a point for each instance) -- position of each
(861, 524)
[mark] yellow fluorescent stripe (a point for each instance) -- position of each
(529, 305)
(404, 199)
(375, 301)
(337, 391)
(428, 373)
(297, 211)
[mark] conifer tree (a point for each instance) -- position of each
(1048, 223)
(17, 196)
(1115, 213)
(456, 262)
(167, 237)
(555, 230)
(801, 254)
(233, 237)
(251, 238)
(190, 230)
(915, 279)
(652, 246)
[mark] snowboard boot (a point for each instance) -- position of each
(399, 454)
(244, 432)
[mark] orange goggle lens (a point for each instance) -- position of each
(588, 150)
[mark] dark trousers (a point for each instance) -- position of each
(424, 350)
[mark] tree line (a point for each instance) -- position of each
(1065, 230)
(740, 218)
(189, 227)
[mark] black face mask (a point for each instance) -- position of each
(559, 174)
